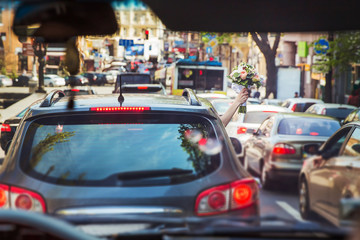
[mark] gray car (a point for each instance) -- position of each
(275, 151)
(150, 154)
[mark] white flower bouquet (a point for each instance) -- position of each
(244, 76)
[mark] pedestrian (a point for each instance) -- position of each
(240, 99)
(296, 95)
(354, 98)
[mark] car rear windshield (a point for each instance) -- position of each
(302, 107)
(256, 117)
(338, 112)
(308, 126)
(133, 79)
(97, 149)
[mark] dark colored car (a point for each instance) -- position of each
(143, 88)
(331, 176)
(79, 91)
(8, 128)
(101, 79)
(77, 80)
(22, 80)
(152, 155)
(91, 76)
(275, 151)
(132, 78)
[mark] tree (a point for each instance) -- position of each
(262, 41)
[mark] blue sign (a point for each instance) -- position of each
(126, 42)
(321, 46)
(137, 49)
(209, 50)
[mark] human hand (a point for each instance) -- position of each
(242, 96)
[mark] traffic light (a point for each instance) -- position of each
(146, 34)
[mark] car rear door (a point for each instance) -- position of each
(322, 177)
(345, 173)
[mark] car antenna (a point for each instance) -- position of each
(121, 98)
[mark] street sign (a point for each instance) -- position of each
(126, 43)
(213, 43)
(321, 46)
(27, 49)
(209, 50)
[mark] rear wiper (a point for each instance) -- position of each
(152, 173)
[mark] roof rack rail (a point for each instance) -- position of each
(191, 97)
(49, 99)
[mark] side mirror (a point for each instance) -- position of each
(311, 149)
(342, 122)
(7, 147)
(257, 133)
(236, 144)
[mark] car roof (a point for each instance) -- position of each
(259, 108)
(334, 105)
(156, 102)
(305, 115)
(300, 100)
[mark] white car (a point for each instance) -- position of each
(242, 126)
(53, 80)
(211, 96)
(5, 81)
(300, 104)
(339, 111)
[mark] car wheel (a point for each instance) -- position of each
(304, 201)
(265, 181)
(51, 84)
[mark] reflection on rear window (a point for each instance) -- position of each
(256, 117)
(102, 146)
(308, 126)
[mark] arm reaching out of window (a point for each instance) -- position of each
(240, 99)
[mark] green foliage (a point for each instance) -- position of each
(3, 71)
(13, 74)
(344, 50)
(220, 37)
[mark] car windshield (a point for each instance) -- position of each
(307, 127)
(184, 141)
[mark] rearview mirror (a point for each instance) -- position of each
(312, 149)
(58, 21)
(236, 144)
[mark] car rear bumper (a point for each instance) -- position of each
(284, 170)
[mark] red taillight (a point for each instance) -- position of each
(4, 196)
(241, 130)
(314, 134)
(217, 200)
(119, 109)
(283, 148)
(75, 90)
(5, 128)
(23, 201)
(271, 111)
(227, 197)
(18, 198)
(293, 107)
(142, 87)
